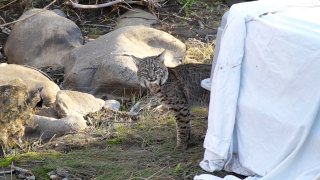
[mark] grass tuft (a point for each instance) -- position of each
(199, 52)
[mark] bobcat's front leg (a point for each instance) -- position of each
(183, 127)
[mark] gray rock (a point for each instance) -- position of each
(59, 12)
(103, 68)
(42, 40)
(73, 102)
(136, 17)
(112, 104)
(33, 79)
(50, 127)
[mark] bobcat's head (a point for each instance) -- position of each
(152, 71)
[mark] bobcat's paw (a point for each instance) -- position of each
(181, 147)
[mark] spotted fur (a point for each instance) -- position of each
(178, 88)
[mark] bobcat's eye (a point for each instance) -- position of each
(159, 71)
(144, 72)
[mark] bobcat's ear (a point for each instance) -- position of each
(136, 60)
(160, 57)
(39, 89)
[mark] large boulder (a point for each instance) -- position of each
(42, 39)
(33, 79)
(73, 102)
(103, 68)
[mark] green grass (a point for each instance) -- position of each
(186, 5)
(115, 141)
(145, 150)
(4, 162)
(33, 160)
(92, 32)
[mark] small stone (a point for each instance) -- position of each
(54, 177)
(62, 172)
(31, 177)
(112, 104)
(50, 127)
(73, 102)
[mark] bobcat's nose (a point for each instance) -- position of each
(151, 74)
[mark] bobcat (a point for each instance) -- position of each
(178, 88)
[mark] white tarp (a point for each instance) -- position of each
(264, 114)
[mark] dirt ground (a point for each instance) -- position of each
(144, 150)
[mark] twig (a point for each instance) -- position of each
(184, 18)
(37, 143)
(128, 17)
(128, 4)
(97, 25)
(4, 21)
(7, 4)
(11, 174)
(6, 172)
(52, 138)
(21, 170)
(156, 173)
(73, 11)
(121, 177)
(22, 19)
(82, 6)
(148, 178)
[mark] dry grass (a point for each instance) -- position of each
(199, 52)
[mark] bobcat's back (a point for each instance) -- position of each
(188, 78)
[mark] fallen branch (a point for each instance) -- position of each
(23, 173)
(6, 172)
(21, 170)
(96, 6)
(22, 19)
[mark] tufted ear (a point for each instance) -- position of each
(135, 59)
(160, 57)
(39, 89)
